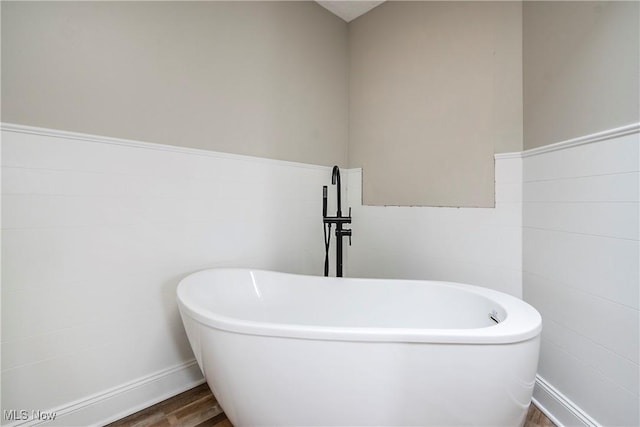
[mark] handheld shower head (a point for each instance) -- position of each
(324, 201)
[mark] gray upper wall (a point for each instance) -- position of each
(265, 79)
(581, 68)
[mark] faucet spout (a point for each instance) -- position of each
(335, 180)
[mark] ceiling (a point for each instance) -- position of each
(349, 9)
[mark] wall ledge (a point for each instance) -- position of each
(558, 407)
(56, 133)
(505, 156)
(587, 139)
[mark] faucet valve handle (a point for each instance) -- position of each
(347, 232)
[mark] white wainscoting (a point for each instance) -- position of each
(581, 271)
(479, 246)
(96, 234)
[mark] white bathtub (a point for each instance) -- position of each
(289, 350)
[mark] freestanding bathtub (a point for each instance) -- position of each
(290, 350)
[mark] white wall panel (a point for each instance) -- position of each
(96, 235)
(602, 266)
(617, 220)
(609, 364)
(581, 262)
(617, 187)
(586, 314)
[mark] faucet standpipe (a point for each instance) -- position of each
(338, 220)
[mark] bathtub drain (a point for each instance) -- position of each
(494, 316)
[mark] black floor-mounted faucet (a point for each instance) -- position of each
(338, 220)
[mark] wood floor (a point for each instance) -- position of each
(535, 418)
(193, 408)
(198, 408)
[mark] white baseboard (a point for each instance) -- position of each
(118, 402)
(558, 408)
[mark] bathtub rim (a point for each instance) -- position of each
(522, 322)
